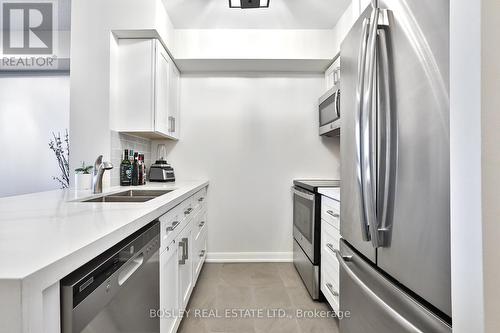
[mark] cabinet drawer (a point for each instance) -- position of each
(330, 239)
(170, 226)
(330, 211)
(330, 266)
(172, 222)
(200, 253)
(200, 198)
(200, 224)
(330, 288)
(188, 209)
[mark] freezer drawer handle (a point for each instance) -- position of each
(330, 287)
(388, 309)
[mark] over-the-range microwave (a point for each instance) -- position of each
(329, 111)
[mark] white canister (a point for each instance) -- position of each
(83, 181)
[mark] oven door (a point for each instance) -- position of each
(304, 232)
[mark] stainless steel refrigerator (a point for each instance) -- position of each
(395, 212)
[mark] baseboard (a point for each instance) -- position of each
(228, 257)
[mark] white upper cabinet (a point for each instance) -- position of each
(174, 102)
(332, 74)
(147, 90)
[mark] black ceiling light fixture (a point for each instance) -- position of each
(245, 4)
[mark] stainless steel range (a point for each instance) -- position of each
(307, 230)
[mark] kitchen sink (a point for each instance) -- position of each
(130, 196)
(141, 193)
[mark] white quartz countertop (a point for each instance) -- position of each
(331, 192)
(50, 234)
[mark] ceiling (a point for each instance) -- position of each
(281, 14)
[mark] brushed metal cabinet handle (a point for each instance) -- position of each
(188, 211)
(173, 226)
(202, 253)
(330, 246)
(202, 223)
(330, 287)
(332, 213)
(182, 261)
(201, 199)
(186, 241)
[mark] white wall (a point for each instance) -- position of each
(346, 21)
(490, 122)
(251, 136)
(31, 108)
(253, 44)
(465, 169)
(91, 40)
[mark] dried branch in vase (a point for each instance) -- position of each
(60, 147)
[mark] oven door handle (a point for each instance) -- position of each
(304, 195)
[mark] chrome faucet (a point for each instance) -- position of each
(99, 168)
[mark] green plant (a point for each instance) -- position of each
(84, 169)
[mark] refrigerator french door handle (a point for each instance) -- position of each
(378, 20)
(389, 165)
(367, 149)
(409, 327)
(358, 109)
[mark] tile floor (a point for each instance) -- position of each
(253, 287)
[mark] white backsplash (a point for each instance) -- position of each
(120, 142)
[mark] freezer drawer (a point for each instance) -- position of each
(376, 305)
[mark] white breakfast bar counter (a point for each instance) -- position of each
(45, 236)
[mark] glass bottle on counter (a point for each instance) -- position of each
(140, 173)
(135, 170)
(143, 164)
(125, 170)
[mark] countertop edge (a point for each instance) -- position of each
(51, 273)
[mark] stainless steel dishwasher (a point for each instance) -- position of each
(115, 291)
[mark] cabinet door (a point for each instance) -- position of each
(184, 243)
(174, 102)
(162, 75)
(169, 288)
(199, 243)
(134, 102)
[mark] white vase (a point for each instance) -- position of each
(83, 181)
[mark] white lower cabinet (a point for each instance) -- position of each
(182, 254)
(330, 237)
(199, 244)
(169, 288)
(184, 243)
